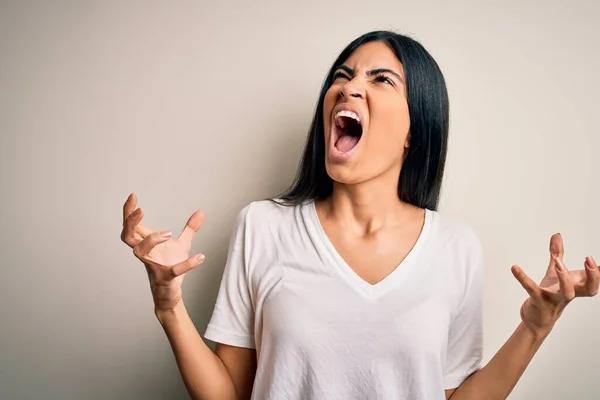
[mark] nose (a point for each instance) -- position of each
(352, 89)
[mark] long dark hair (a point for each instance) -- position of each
(423, 169)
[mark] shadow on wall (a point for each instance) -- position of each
(270, 176)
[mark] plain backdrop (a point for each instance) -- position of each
(206, 105)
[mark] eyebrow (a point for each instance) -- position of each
(372, 72)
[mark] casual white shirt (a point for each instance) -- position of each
(322, 332)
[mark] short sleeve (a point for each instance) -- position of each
(232, 321)
(465, 338)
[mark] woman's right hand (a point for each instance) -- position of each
(166, 259)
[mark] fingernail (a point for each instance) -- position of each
(589, 262)
(167, 234)
(200, 257)
(559, 265)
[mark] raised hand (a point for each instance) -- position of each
(166, 259)
(558, 288)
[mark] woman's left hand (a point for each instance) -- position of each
(547, 300)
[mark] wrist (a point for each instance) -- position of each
(166, 315)
(534, 334)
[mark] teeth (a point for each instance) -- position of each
(348, 114)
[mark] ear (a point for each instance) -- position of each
(407, 141)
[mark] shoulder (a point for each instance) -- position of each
(455, 233)
(459, 246)
(269, 230)
(271, 209)
(267, 214)
(461, 257)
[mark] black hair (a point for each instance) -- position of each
(421, 176)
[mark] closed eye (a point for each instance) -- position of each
(340, 74)
(384, 79)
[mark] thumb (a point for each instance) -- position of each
(187, 265)
(528, 284)
(192, 226)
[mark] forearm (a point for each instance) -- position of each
(498, 378)
(203, 373)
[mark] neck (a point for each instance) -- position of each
(367, 207)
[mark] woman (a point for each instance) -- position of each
(351, 285)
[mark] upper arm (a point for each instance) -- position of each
(464, 351)
(449, 393)
(240, 363)
(231, 326)
(232, 321)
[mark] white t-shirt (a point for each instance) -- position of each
(322, 332)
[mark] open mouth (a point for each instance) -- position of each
(348, 130)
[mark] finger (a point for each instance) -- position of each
(592, 277)
(187, 265)
(140, 228)
(192, 226)
(129, 206)
(130, 233)
(143, 248)
(556, 249)
(528, 284)
(566, 284)
(133, 226)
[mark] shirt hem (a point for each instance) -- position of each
(218, 335)
(453, 383)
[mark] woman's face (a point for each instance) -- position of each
(366, 116)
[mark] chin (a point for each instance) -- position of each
(359, 169)
(342, 173)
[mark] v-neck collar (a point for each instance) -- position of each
(393, 279)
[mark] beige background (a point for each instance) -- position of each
(206, 105)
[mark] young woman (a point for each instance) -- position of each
(351, 285)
